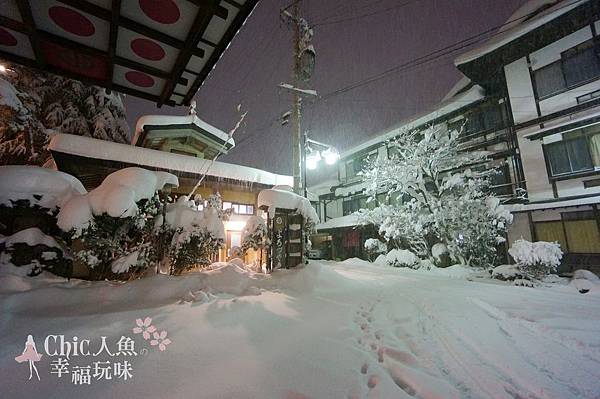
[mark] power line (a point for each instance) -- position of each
(434, 54)
(339, 21)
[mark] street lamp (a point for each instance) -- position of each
(313, 152)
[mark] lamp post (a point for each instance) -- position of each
(312, 153)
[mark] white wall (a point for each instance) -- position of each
(520, 91)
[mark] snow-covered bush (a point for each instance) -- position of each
(375, 247)
(113, 225)
(402, 258)
(31, 247)
(255, 234)
(30, 199)
(536, 259)
(198, 234)
(436, 190)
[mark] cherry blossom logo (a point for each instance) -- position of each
(161, 340)
(148, 330)
(144, 327)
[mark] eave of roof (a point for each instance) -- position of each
(485, 62)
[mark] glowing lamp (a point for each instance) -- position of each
(312, 160)
(330, 156)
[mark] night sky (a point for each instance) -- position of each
(354, 40)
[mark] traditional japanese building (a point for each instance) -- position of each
(182, 145)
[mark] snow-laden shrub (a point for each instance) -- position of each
(113, 225)
(31, 247)
(118, 247)
(439, 253)
(255, 234)
(198, 234)
(402, 258)
(536, 259)
(436, 206)
(375, 247)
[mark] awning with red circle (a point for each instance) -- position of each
(160, 50)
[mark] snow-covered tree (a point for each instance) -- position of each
(35, 104)
(255, 235)
(197, 234)
(440, 199)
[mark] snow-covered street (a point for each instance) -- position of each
(330, 330)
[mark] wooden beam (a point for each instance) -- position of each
(13, 25)
(112, 41)
(25, 11)
(201, 21)
(17, 59)
(89, 81)
(218, 51)
(234, 3)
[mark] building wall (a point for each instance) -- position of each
(521, 88)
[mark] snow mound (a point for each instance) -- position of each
(277, 198)
(116, 196)
(32, 237)
(438, 250)
(585, 281)
(454, 271)
(586, 275)
(44, 187)
(402, 258)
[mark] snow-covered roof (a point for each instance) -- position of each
(106, 150)
(336, 223)
(284, 199)
(522, 22)
(553, 204)
(166, 120)
(455, 103)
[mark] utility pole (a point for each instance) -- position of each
(303, 67)
(297, 104)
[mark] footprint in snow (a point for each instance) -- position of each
(380, 354)
(364, 368)
(373, 381)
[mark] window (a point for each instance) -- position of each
(579, 151)
(240, 209)
(581, 63)
(550, 80)
(577, 65)
(354, 166)
(485, 118)
(355, 204)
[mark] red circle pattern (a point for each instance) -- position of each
(7, 38)
(162, 11)
(147, 49)
(72, 21)
(139, 79)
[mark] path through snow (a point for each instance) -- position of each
(331, 330)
